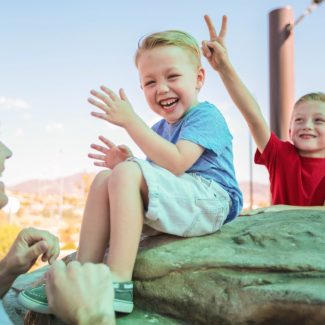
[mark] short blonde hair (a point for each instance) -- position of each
(317, 97)
(170, 38)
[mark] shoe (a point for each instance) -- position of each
(123, 301)
(35, 299)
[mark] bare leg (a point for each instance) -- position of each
(127, 193)
(94, 235)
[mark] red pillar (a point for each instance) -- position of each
(281, 51)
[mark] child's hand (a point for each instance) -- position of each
(117, 110)
(112, 154)
(215, 50)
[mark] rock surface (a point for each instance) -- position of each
(263, 269)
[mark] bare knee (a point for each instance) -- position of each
(128, 174)
(101, 179)
(125, 173)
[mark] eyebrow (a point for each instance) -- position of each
(168, 71)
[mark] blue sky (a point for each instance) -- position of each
(54, 52)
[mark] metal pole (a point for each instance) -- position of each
(251, 183)
(281, 70)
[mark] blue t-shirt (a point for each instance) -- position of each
(205, 126)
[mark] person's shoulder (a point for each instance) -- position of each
(205, 109)
(284, 144)
(283, 149)
(158, 124)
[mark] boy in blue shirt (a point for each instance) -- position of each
(186, 187)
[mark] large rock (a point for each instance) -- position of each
(264, 269)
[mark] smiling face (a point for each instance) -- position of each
(170, 79)
(5, 153)
(307, 130)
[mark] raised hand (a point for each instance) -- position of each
(215, 50)
(111, 154)
(116, 109)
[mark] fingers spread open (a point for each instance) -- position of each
(109, 92)
(109, 143)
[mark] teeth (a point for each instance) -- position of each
(168, 102)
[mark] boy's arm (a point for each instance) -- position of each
(117, 110)
(216, 53)
(177, 158)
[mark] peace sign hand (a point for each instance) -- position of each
(215, 50)
(111, 154)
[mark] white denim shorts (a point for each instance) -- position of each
(186, 205)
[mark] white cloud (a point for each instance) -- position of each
(16, 104)
(50, 128)
(19, 132)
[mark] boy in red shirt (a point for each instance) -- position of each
(297, 169)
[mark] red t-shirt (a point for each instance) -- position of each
(295, 180)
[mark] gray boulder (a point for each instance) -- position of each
(263, 269)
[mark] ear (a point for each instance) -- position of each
(200, 79)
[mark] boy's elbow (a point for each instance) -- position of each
(177, 169)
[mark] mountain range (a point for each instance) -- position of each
(78, 184)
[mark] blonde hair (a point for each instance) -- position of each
(169, 38)
(317, 97)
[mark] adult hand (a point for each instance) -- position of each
(112, 154)
(80, 294)
(116, 109)
(215, 50)
(28, 246)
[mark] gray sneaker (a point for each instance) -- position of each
(35, 299)
(123, 301)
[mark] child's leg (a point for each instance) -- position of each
(95, 226)
(128, 194)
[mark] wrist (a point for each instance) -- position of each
(6, 277)
(225, 68)
(133, 123)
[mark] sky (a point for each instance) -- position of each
(54, 52)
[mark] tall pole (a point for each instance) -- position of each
(281, 60)
(251, 183)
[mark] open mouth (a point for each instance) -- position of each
(168, 104)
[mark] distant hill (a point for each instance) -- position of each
(261, 193)
(74, 185)
(77, 184)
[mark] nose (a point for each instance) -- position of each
(162, 88)
(9, 153)
(308, 124)
(5, 152)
